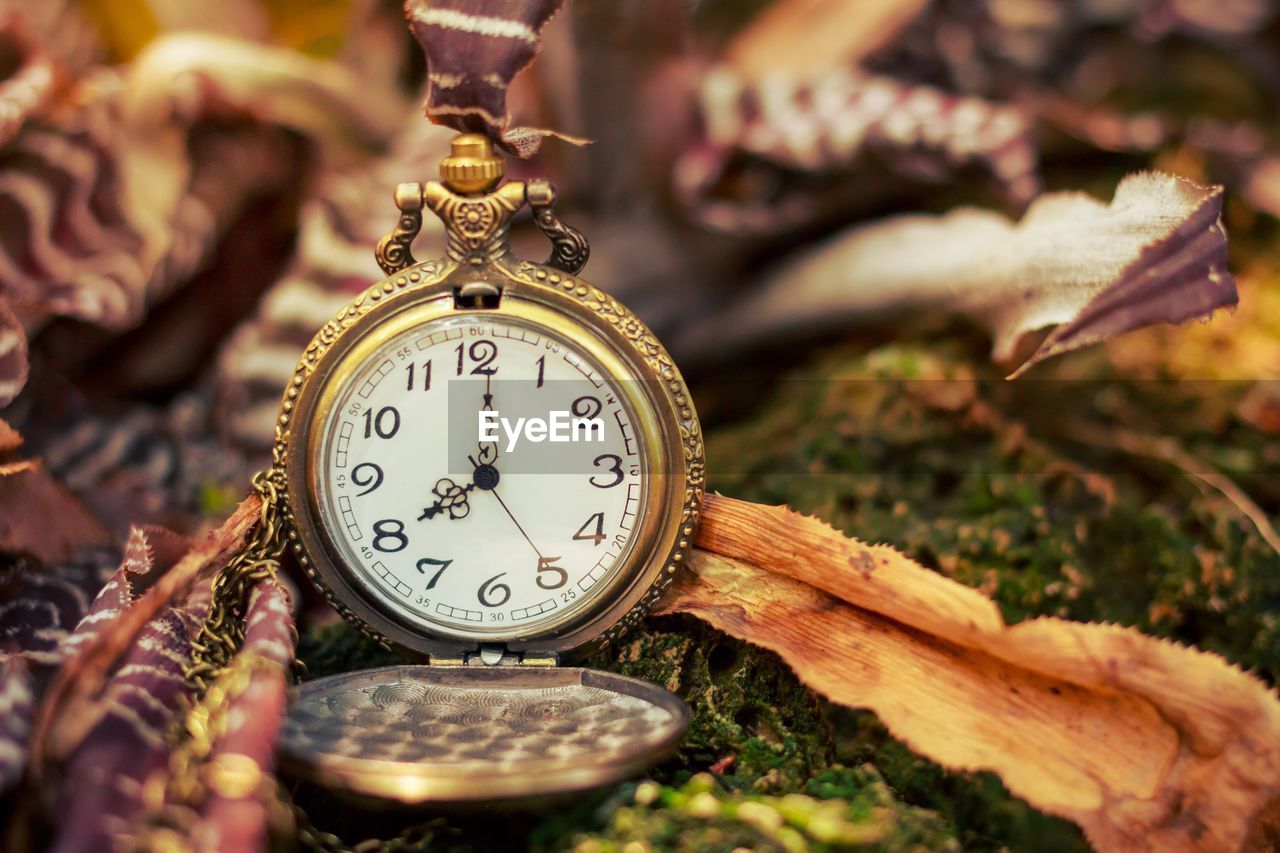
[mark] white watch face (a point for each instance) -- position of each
(474, 533)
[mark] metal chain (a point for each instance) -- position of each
(215, 677)
(415, 839)
(173, 798)
(222, 633)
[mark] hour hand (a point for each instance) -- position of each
(450, 498)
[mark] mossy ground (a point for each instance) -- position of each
(1072, 493)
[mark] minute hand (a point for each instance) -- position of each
(523, 533)
(544, 563)
(486, 451)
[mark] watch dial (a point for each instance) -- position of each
(468, 532)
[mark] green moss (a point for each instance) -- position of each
(985, 815)
(750, 717)
(338, 647)
(843, 810)
(218, 499)
(1050, 495)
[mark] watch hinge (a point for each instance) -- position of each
(496, 654)
(477, 294)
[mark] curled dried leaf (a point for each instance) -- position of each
(41, 518)
(10, 439)
(1156, 254)
(41, 605)
(830, 123)
(1144, 743)
(236, 818)
(67, 711)
(144, 550)
(61, 28)
(48, 615)
(474, 49)
(17, 703)
(13, 354)
(126, 742)
(114, 202)
(29, 81)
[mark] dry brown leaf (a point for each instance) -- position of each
(799, 37)
(17, 700)
(126, 740)
(1143, 743)
(474, 49)
(1156, 254)
(28, 78)
(232, 822)
(110, 203)
(41, 518)
(184, 77)
(66, 711)
(10, 438)
(14, 365)
(835, 124)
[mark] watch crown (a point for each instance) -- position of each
(472, 166)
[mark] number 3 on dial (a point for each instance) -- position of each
(615, 468)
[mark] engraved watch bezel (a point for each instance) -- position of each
(566, 305)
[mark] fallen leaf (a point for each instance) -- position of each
(1156, 254)
(144, 550)
(1145, 744)
(14, 365)
(41, 605)
(41, 518)
(796, 37)
(29, 78)
(17, 701)
(66, 712)
(10, 438)
(126, 741)
(829, 125)
(474, 50)
(109, 204)
(46, 614)
(237, 819)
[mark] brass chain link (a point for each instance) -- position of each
(173, 798)
(415, 839)
(222, 633)
(214, 678)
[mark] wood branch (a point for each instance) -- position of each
(1143, 743)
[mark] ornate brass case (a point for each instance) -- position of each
(481, 275)
(468, 737)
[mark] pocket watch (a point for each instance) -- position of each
(493, 467)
